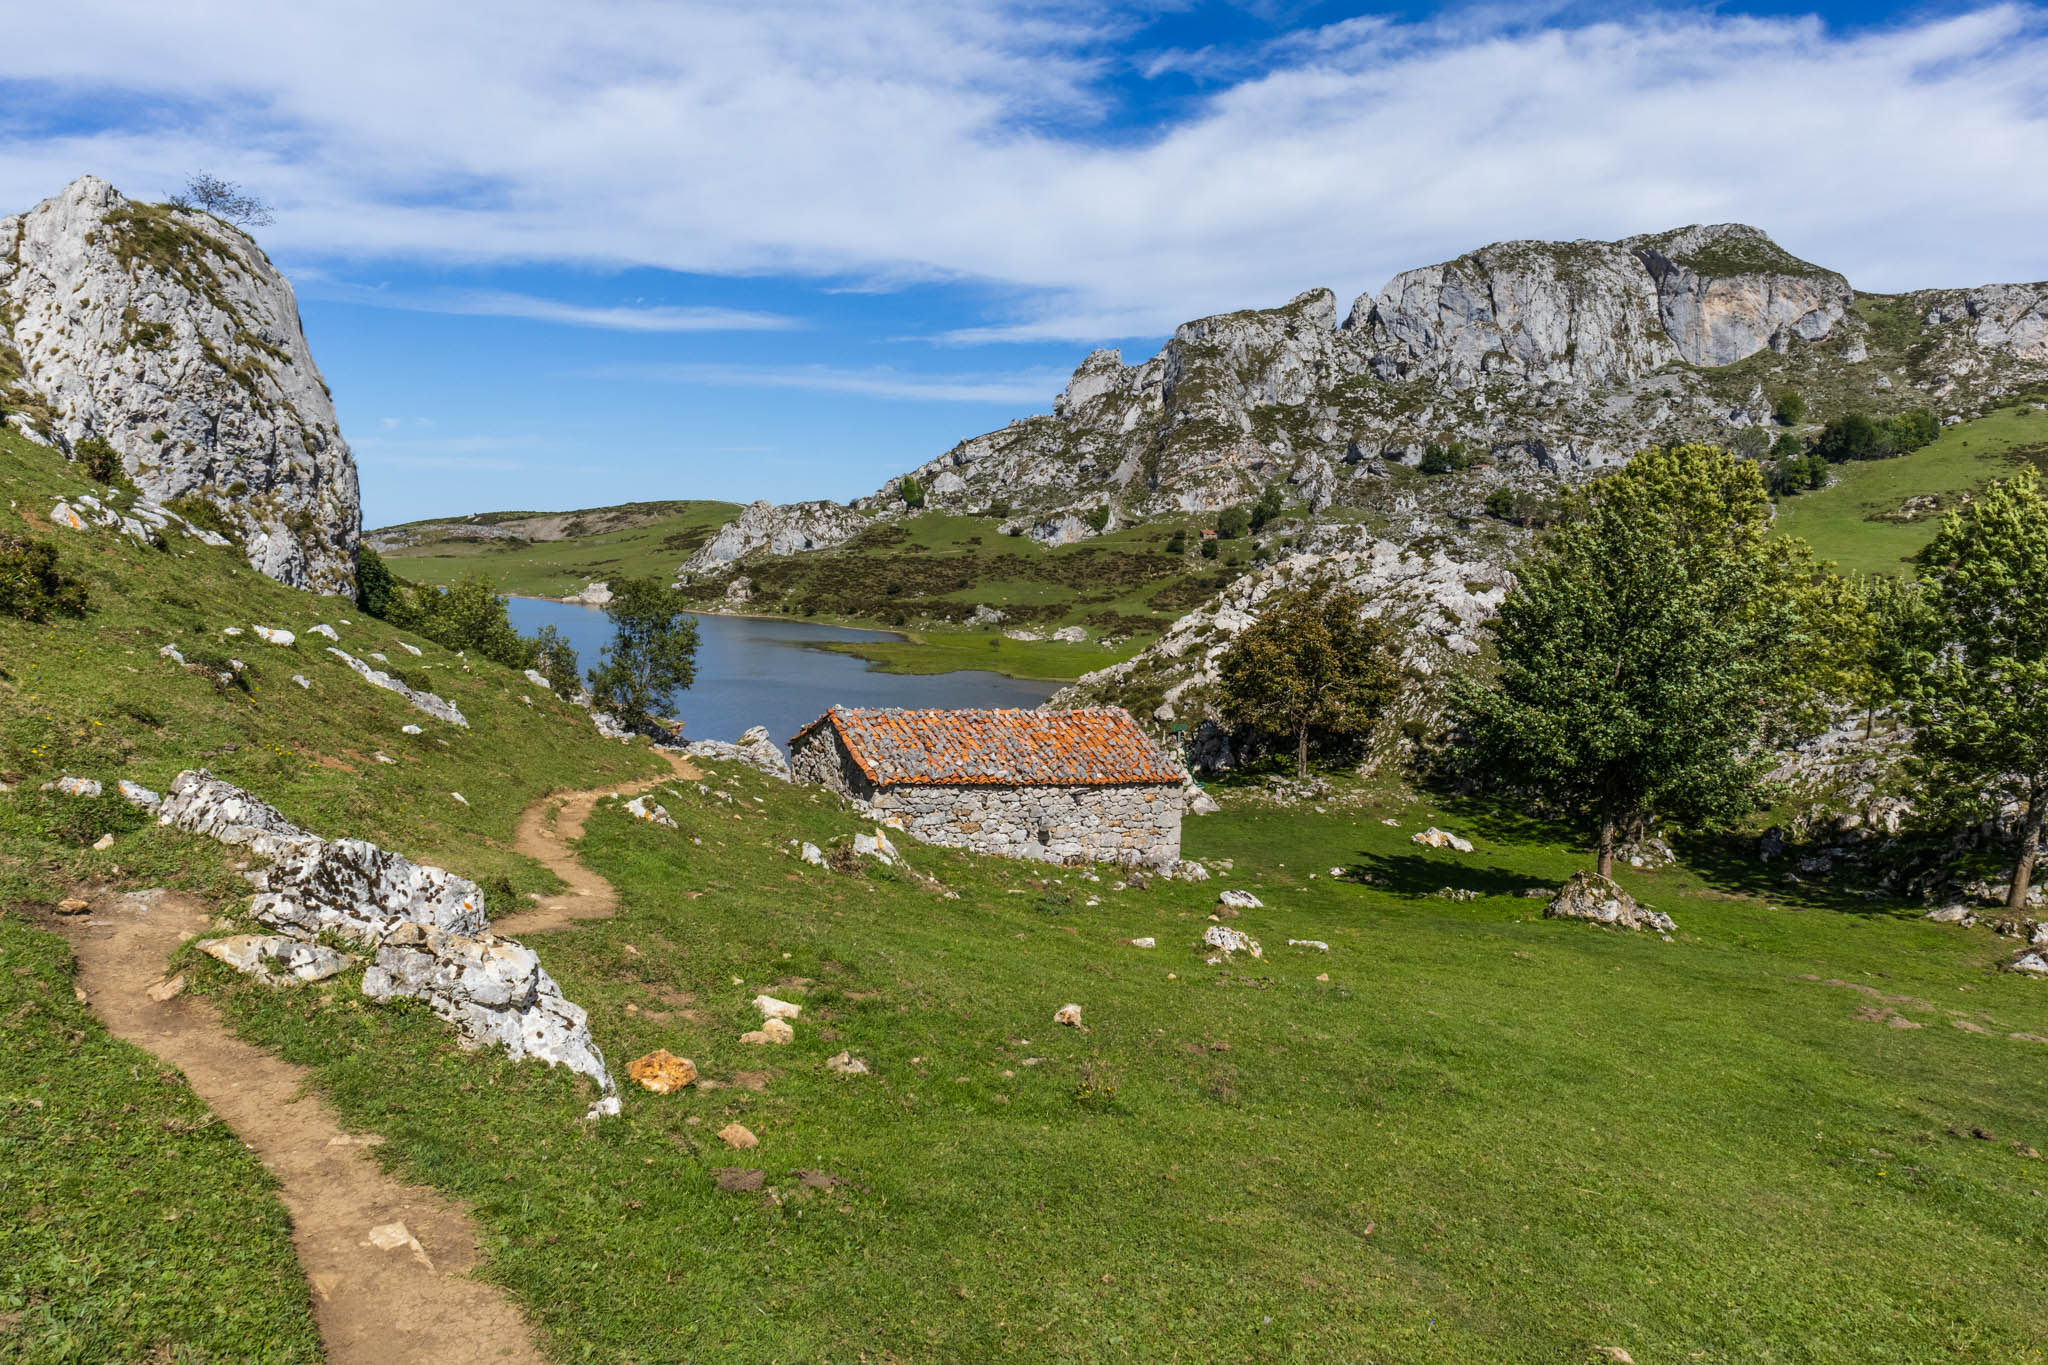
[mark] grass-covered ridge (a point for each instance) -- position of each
(554, 554)
(131, 1221)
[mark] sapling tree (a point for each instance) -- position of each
(653, 653)
(1655, 648)
(1977, 682)
(225, 200)
(1313, 663)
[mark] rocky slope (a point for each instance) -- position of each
(1542, 358)
(169, 335)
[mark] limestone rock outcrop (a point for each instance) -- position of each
(1591, 897)
(765, 528)
(426, 926)
(169, 335)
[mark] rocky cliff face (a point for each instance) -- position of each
(766, 528)
(169, 335)
(1542, 358)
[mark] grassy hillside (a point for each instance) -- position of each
(1878, 514)
(130, 1221)
(1801, 1130)
(1464, 1133)
(553, 554)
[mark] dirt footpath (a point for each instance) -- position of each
(387, 1261)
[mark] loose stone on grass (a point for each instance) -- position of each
(738, 1135)
(772, 1031)
(662, 1071)
(1589, 896)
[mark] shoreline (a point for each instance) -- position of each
(744, 616)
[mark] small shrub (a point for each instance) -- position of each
(912, 491)
(1233, 522)
(206, 514)
(1177, 543)
(1209, 549)
(1444, 459)
(101, 463)
(1789, 410)
(32, 587)
(1097, 517)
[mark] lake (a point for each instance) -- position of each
(765, 671)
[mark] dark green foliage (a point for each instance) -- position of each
(554, 658)
(1210, 549)
(32, 587)
(1787, 445)
(1267, 508)
(1444, 459)
(470, 616)
(1751, 443)
(1654, 648)
(207, 515)
(1790, 409)
(1097, 518)
(1177, 543)
(911, 490)
(1859, 436)
(1313, 667)
(377, 588)
(1973, 661)
(1233, 522)
(1522, 507)
(1797, 474)
(652, 657)
(102, 464)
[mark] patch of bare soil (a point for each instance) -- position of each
(388, 1262)
(546, 830)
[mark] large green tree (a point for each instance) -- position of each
(1313, 663)
(653, 653)
(1977, 683)
(1654, 649)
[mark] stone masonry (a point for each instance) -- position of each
(1077, 786)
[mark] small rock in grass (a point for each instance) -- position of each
(1322, 976)
(328, 631)
(171, 652)
(300, 679)
(738, 1135)
(1442, 838)
(1953, 914)
(2033, 961)
(383, 757)
(410, 649)
(1589, 896)
(71, 905)
(1314, 943)
(771, 1008)
(103, 843)
(772, 1031)
(846, 1064)
(1231, 941)
(640, 808)
(1070, 1015)
(73, 786)
(1240, 900)
(813, 855)
(410, 730)
(232, 630)
(275, 637)
(662, 1071)
(1336, 872)
(1144, 943)
(460, 798)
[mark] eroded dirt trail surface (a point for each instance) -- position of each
(392, 1304)
(546, 830)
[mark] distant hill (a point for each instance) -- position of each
(553, 554)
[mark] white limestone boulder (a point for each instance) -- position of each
(277, 959)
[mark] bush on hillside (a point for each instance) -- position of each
(1444, 459)
(554, 658)
(912, 491)
(100, 461)
(32, 587)
(1859, 436)
(1177, 543)
(207, 515)
(1790, 409)
(1233, 522)
(1267, 508)
(1796, 474)
(470, 617)
(1097, 518)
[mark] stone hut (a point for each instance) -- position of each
(1059, 786)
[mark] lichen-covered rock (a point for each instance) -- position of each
(169, 335)
(771, 1008)
(363, 892)
(1589, 896)
(138, 795)
(271, 636)
(1441, 838)
(765, 528)
(492, 990)
(434, 706)
(73, 786)
(1239, 900)
(662, 1071)
(1227, 941)
(275, 958)
(640, 808)
(756, 748)
(200, 803)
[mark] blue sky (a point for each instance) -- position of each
(563, 255)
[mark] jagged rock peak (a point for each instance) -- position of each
(168, 334)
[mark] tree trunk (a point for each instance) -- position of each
(1606, 865)
(1301, 751)
(2030, 848)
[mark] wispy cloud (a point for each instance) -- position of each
(1015, 386)
(857, 142)
(633, 317)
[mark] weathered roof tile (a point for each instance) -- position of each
(1097, 746)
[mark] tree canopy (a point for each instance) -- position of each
(1972, 660)
(653, 653)
(1654, 648)
(1312, 664)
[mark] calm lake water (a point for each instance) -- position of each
(772, 672)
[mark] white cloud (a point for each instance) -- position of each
(910, 142)
(449, 452)
(621, 318)
(1017, 386)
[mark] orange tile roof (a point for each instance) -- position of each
(1097, 746)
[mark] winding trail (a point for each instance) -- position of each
(545, 831)
(413, 1302)
(387, 1262)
